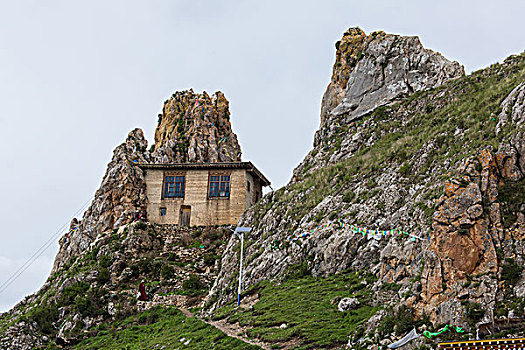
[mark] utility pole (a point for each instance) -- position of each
(239, 232)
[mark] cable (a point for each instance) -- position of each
(39, 252)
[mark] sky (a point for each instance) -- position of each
(77, 76)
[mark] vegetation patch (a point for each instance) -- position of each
(160, 327)
(511, 272)
(308, 307)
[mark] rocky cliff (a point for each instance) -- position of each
(429, 164)
(372, 71)
(192, 128)
(408, 212)
(196, 128)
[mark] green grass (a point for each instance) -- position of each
(467, 104)
(305, 306)
(162, 327)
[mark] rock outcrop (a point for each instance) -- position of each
(192, 128)
(372, 71)
(100, 286)
(437, 165)
(121, 193)
(195, 128)
(369, 71)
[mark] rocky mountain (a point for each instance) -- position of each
(428, 163)
(196, 129)
(408, 212)
(192, 128)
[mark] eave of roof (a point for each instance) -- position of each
(230, 165)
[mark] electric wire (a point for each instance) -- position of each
(39, 251)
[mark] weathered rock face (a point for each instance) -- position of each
(369, 71)
(188, 131)
(106, 277)
(415, 165)
(192, 128)
(469, 229)
(121, 193)
(512, 108)
(372, 71)
(196, 128)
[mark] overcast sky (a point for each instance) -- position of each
(77, 76)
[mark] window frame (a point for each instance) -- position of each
(175, 176)
(220, 181)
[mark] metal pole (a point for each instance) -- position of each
(240, 270)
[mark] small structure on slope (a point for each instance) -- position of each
(201, 193)
(515, 343)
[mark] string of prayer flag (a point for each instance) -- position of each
(359, 230)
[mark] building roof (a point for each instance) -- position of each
(512, 343)
(198, 166)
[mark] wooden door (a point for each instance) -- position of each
(185, 215)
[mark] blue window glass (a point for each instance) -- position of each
(174, 186)
(219, 186)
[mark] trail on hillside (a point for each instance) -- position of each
(231, 330)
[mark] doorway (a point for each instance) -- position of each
(185, 215)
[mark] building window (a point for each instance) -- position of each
(248, 185)
(162, 212)
(219, 186)
(174, 186)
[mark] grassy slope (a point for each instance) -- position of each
(468, 104)
(160, 327)
(305, 306)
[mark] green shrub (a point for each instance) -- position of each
(193, 285)
(404, 170)
(70, 293)
(141, 225)
(44, 315)
(84, 305)
(298, 271)
(149, 317)
(103, 275)
(402, 322)
(209, 259)
(105, 261)
(512, 194)
(511, 272)
(92, 255)
(348, 196)
(167, 271)
(475, 312)
(145, 266)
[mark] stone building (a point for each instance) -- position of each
(201, 193)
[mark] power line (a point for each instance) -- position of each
(39, 252)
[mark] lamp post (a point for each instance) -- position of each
(239, 232)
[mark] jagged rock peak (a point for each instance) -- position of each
(196, 128)
(372, 70)
(121, 193)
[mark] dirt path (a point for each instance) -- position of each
(231, 330)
